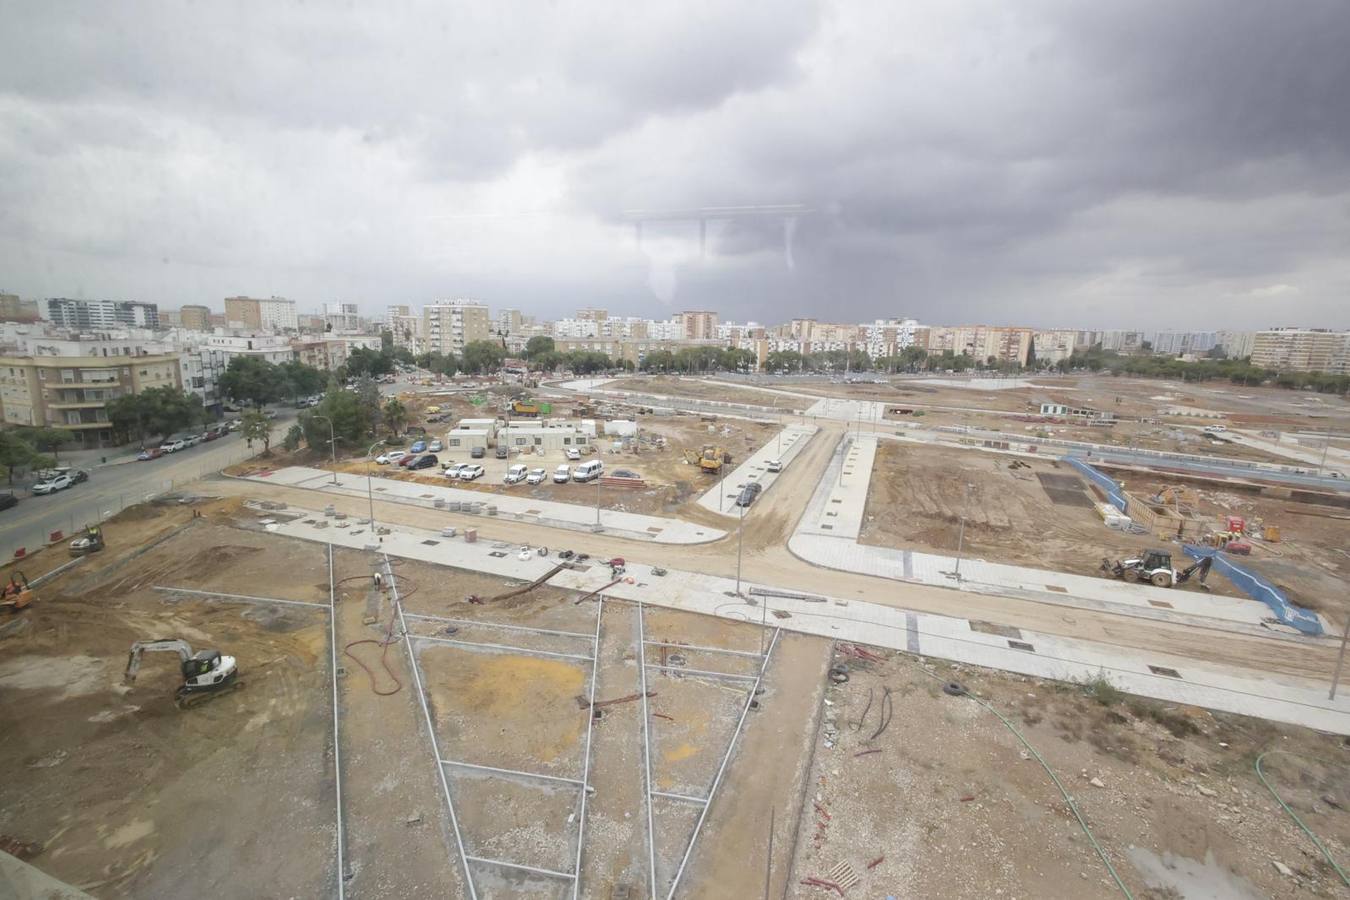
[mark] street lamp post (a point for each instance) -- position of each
(332, 443)
(961, 537)
(370, 490)
(740, 543)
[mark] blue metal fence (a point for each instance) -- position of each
(1258, 588)
(1107, 484)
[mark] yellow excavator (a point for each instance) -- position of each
(1175, 496)
(709, 459)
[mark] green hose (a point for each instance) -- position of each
(1073, 807)
(1297, 821)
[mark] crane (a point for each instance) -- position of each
(204, 673)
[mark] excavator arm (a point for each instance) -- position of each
(161, 645)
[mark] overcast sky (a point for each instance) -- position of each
(1094, 164)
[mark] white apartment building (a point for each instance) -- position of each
(341, 317)
(1302, 350)
(1236, 344)
(1176, 343)
(887, 337)
(1054, 345)
(99, 315)
(269, 347)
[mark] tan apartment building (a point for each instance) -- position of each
(13, 309)
(73, 392)
(698, 324)
(1302, 350)
(195, 318)
(272, 314)
(981, 342)
(448, 326)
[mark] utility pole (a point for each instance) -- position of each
(740, 543)
(1340, 661)
(961, 538)
(1326, 445)
(332, 442)
(370, 491)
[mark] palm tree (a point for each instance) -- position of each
(395, 415)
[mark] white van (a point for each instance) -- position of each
(516, 474)
(562, 474)
(589, 470)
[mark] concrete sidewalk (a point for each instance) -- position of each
(1163, 677)
(721, 497)
(1335, 459)
(827, 535)
(551, 513)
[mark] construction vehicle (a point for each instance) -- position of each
(89, 542)
(1155, 567)
(527, 408)
(1175, 496)
(709, 459)
(16, 595)
(205, 674)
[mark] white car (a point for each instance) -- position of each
(572, 453)
(53, 484)
(774, 465)
(436, 446)
(172, 445)
(392, 456)
(470, 472)
(452, 470)
(516, 474)
(562, 474)
(536, 476)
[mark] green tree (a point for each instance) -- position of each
(154, 411)
(785, 361)
(537, 345)
(395, 415)
(294, 435)
(299, 380)
(16, 454)
(253, 381)
(363, 361)
(255, 426)
(49, 440)
(386, 342)
(482, 357)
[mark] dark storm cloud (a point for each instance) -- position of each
(1045, 162)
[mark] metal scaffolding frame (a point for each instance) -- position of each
(582, 784)
(704, 803)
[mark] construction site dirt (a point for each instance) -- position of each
(237, 797)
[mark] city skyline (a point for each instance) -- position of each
(1043, 164)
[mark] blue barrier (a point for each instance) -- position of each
(1112, 489)
(1258, 588)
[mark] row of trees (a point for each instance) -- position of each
(154, 412)
(253, 381)
(1215, 367)
(27, 448)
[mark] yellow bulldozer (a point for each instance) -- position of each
(709, 459)
(526, 408)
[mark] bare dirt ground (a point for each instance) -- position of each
(127, 795)
(918, 495)
(946, 801)
(707, 389)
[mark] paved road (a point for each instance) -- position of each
(766, 560)
(110, 488)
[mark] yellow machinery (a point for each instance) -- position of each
(1175, 496)
(527, 408)
(16, 595)
(709, 459)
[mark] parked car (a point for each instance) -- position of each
(451, 470)
(775, 465)
(150, 453)
(172, 445)
(76, 475)
(7, 500)
(407, 458)
(572, 453)
(470, 472)
(477, 452)
(562, 474)
(589, 470)
(391, 456)
(746, 496)
(53, 484)
(191, 440)
(419, 447)
(536, 476)
(516, 474)
(502, 452)
(425, 461)
(436, 446)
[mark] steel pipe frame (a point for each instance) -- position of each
(647, 753)
(702, 672)
(431, 732)
(506, 648)
(749, 653)
(460, 764)
(684, 797)
(244, 598)
(586, 765)
(721, 769)
(524, 868)
(503, 626)
(337, 751)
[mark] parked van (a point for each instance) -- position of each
(562, 474)
(516, 474)
(589, 470)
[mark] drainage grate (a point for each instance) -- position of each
(1161, 604)
(836, 501)
(1021, 645)
(1163, 670)
(827, 527)
(1056, 588)
(425, 496)
(497, 553)
(382, 489)
(431, 543)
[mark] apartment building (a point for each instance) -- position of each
(449, 325)
(1302, 350)
(1236, 344)
(324, 354)
(341, 317)
(593, 314)
(887, 337)
(1177, 343)
(195, 318)
(1054, 345)
(982, 342)
(1123, 341)
(73, 391)
(697, 324)
(272, 314)
(268, 347)
(100, 315)
(13, 309)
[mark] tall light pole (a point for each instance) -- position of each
(961, 538)
(370, 490)
(332, 443)
(597, 502)
(1340, 661)
(740, 543)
